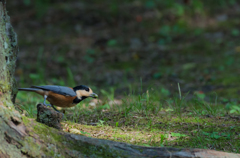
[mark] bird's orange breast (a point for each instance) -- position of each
(60, 100)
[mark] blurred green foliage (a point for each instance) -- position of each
(40, 6)
(179, 8)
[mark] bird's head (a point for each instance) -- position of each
(84, 92)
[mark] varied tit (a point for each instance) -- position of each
(62, 96)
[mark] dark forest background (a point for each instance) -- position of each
(137, 43)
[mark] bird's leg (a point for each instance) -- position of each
(44, 102)
(56, 110)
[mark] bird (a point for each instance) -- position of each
(61, 96)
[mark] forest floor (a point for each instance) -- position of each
(166, 74)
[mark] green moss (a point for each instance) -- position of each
(44, 131)
(25, 120)
(125, 65)
(31, 147)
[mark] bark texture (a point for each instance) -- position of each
(8, 54)
(23, 137)
(49, 116)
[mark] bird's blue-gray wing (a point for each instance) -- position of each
(57, 89)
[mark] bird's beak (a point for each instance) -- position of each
(94, 95)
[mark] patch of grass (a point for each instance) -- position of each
(210, 133)
(27, 102)
(146, 120)
(142, 121)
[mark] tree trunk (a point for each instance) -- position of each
(24, 137)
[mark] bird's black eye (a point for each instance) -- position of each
(87, 89)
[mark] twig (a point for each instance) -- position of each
(180, 95)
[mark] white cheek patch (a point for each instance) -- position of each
(83, 93)
(79, 95)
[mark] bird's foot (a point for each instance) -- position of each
(48, 105)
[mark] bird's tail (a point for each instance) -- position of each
(28, 89)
